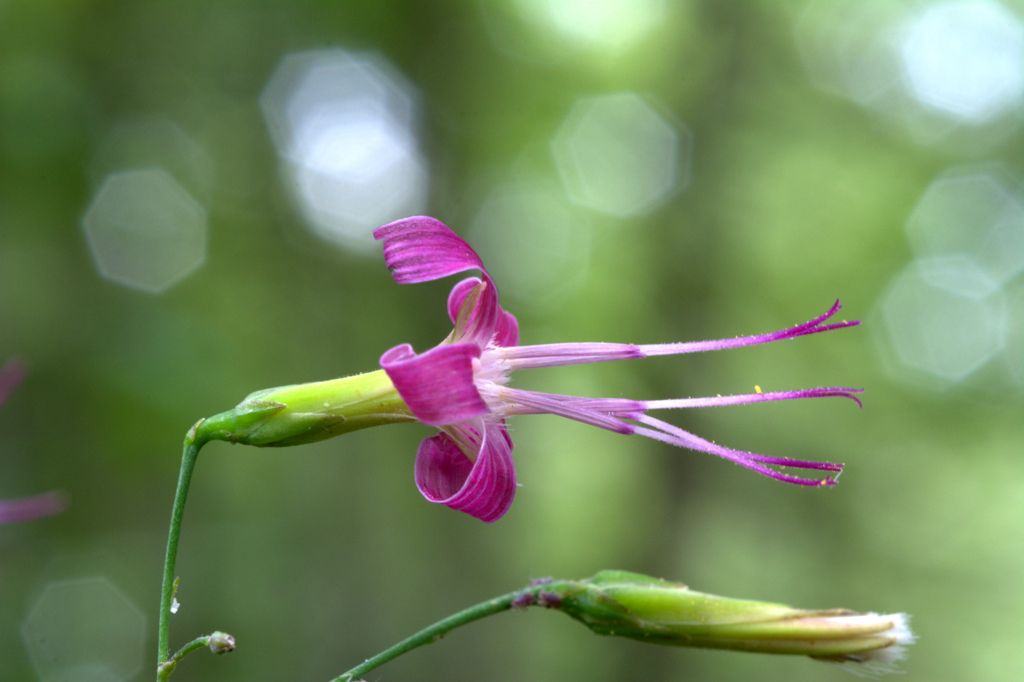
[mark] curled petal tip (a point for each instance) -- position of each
(842, 324)
(421, 248)
(849, 393)
(833, 480)
(483, 487)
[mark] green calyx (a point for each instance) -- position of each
(305, 413)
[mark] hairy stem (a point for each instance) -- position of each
(534, 595)
(217, 642)
(168, 665)
(189, 455)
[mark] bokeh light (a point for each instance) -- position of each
(537, 245)
(944, 318)
(847, 47)
(155, 143)
(965, 59)
(145, 230)
(607, 25)
(344, 125)
(84, 629)
(946, 74)
(976, 212)
(617, 155)
(1014, 354)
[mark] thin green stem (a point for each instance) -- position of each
(168, 665)
(189, 455)
(218, 642)
(432, 633)
(197, 643)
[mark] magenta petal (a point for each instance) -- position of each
(483, 488)
(486, 321)
(436, 385)
(458, 296)
(474, 310)
(507, 333)
(420, 248)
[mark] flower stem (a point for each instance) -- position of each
(218, 642)
(533, 595)
(189, 455)
(168, 665)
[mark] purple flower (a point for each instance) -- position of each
(36, 506)
(461, 386)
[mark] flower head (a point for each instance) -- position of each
(461, 386)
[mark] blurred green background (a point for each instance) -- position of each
(187, 192)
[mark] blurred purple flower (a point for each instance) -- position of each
(461, 385)
(11, 375)
(31, 508)
(24, 508)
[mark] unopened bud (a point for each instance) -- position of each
(221, 643)
(305, 413)
(652, 610)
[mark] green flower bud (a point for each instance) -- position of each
(304, 413)
(221, 643)
(653, 610)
